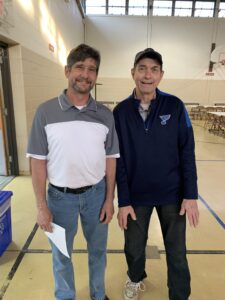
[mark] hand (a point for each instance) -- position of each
(123, 213)
(44, 218)
(107, 212)
(190, 207)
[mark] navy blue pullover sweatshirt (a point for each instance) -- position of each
(157, 159)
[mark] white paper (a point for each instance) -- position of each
(58, 237)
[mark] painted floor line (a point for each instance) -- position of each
(18, 261)
(212, 212)
(208, 142)
(199, 252)
(121, 251)
(211, 160)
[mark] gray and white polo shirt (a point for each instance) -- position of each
(74, 142)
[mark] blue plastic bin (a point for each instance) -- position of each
(5, 220)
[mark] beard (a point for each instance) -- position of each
(82, 86)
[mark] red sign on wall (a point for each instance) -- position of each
(50, 46)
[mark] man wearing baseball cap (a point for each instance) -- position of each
(156, 170)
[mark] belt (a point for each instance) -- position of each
(72, 191)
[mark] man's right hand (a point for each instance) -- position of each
(44, 218)
(123, 214)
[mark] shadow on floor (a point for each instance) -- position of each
(4, 180)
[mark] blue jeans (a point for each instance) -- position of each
(174, 235)
(66, 208)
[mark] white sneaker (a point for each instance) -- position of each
(131, 289)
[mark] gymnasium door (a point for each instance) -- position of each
(3, 155)
(8, 148)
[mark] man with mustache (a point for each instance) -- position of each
(156, 169)
(73, 145)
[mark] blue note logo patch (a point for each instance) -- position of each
(164, 119)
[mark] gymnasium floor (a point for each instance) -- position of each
(25, 268)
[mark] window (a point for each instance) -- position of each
(138, 7)
(95, 7)
(204, 9)
(117, 7)
(222, 10)
(183, 8)
(162, 8)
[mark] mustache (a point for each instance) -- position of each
(80, 79)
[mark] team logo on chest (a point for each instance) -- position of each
(164, 119)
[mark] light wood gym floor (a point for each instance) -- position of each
(25, 267)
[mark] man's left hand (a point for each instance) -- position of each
(190, 207)
(107, 212)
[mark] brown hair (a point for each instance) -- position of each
(82, 52)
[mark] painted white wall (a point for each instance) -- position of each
(36, 23)
(37, 73)
(185, 43)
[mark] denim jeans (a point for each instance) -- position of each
(66, 208)
(174, 235)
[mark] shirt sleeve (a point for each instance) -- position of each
(111, 144)
(187, 156)
(121, 174)
(37, 143)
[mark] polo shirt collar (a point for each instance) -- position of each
(137, 101)
(66, 104)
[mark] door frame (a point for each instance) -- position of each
(8, 114)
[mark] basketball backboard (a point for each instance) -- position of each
(218, 54)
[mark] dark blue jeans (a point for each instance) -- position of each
(174, 235)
